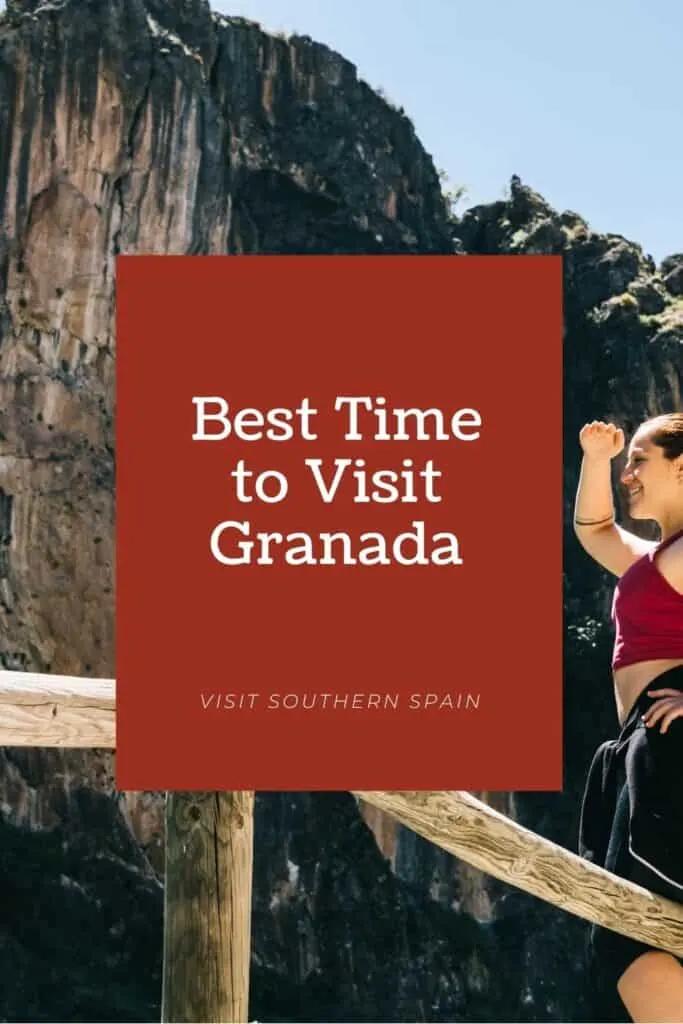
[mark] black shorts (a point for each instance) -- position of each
(632, 825)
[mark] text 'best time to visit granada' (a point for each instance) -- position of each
(233, 542)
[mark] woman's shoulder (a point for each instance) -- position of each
(615, 548)
(670, 562)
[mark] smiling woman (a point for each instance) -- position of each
(632, 814)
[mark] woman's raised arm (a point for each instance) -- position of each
(610, 545)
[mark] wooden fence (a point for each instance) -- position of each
(209, 854)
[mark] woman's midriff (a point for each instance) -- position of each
(629, 682)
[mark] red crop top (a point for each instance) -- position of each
(647, 613)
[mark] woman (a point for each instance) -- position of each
(632, 814)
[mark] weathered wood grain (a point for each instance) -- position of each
(38, 710)
(207, 907)
(467, 828)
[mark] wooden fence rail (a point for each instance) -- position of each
(498, 846)
(38, 710)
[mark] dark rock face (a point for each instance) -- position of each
(672, 271)
(81, 916)
(341, 937)
(155, 126)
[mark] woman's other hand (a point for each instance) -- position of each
(665, 710)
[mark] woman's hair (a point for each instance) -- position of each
(667, 433)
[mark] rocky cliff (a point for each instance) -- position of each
(152, 126)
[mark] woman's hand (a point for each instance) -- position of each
(601, 440)
(665, 710)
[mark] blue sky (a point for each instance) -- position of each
(583, 100)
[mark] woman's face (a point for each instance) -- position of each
(654, 483)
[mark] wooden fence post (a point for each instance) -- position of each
(207, 907)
